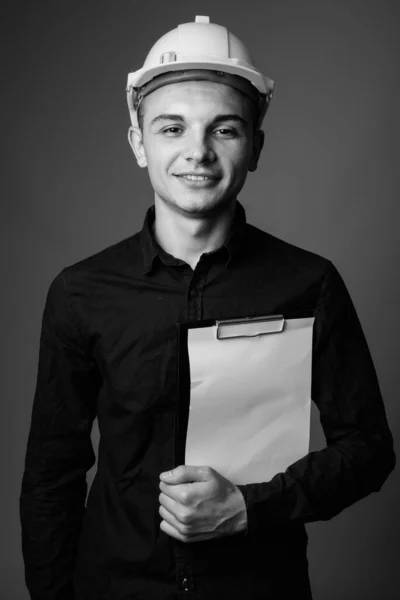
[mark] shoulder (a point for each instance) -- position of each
(300, 272)
(76, 289)
(112, 260)
(275, 252)
(96, 274)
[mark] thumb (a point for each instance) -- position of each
(186, 474)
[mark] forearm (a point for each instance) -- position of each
(52, 505)
(323, 483)
(50, 534)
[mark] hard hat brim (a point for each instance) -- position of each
(142, 76)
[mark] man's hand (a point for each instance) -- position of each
(197, 503)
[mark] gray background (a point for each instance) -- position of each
(327, 181)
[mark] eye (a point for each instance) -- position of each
(224, 132)
(173, 130)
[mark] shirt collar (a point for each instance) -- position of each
(151, 249)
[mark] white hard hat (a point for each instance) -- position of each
(199, 50)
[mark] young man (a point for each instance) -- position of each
(108, 349)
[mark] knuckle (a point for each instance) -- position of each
(206, 471)
(185, 538)
(185, 496)
(185, 517)
(184, 529)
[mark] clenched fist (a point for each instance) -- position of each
(197, 503)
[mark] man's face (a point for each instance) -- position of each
(197, 128)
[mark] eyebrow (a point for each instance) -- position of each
(218, 119)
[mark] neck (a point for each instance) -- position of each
(187, 237)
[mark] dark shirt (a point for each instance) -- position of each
(108, 348)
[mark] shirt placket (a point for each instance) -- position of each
(193, 312)
(194, 297)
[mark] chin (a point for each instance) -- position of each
(205, 206)
(195, 204)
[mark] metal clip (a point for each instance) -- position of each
(249, 326)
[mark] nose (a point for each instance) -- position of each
(199, 148)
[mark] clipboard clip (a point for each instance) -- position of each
(249, 326)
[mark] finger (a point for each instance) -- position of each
(181, 528)
(171, 531)
(171, 505)
(182, 493)
(186, 474)
(180, 512)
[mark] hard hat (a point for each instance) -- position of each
(199, 50)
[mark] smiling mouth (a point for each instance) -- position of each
(197, 177)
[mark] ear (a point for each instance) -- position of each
(135, 139)
(258, 143)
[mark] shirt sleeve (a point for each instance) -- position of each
(359, 455)
(59, 450)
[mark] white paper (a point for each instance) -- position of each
(250, 401)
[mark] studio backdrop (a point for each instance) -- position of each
(328, 181)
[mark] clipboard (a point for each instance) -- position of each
(231, 414)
